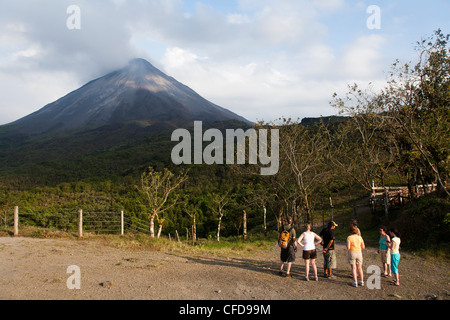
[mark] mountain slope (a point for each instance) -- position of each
(139, 94)
(132, 109)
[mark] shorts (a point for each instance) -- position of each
(395, 259)
(355, 257)
(329, 259)
(385, 258)
(288, 255)
(310, 254)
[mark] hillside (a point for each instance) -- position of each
(114, 124)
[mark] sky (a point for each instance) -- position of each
(262, 59)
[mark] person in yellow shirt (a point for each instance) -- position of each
(355, 245)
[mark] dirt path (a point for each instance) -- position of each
(37, 269)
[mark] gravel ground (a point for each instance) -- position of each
(36, 269)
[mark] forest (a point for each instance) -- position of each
(396, 136)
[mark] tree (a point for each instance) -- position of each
(158, 188)
(219, 203)
(192, 208)
(362, 147)
(259, 195)
(302, 151)
(404, 126)
(417, 101)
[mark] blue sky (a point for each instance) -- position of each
(262, 59)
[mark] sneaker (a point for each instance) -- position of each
(361, 283)
(306, 279)
(316, 278)
(355, 284)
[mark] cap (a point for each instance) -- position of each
(332, 223)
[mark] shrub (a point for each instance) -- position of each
(425, 223)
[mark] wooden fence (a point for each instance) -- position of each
(391, 197)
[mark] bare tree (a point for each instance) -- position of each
(160, 224)
(191, 208)
(302, 152)
(219, 202)
(158, 188)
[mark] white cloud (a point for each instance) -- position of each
(25, 93)
(329, 5)
(362, 59)
(257, 90)
(236, 18)
(262, 60)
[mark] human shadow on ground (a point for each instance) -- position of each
(266, 267)
(272, 268)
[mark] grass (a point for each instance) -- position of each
(227, 246)
(257, 243)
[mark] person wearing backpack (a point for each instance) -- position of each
(286, 241)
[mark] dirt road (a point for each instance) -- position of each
(37, 269)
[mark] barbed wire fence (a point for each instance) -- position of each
(69, 220)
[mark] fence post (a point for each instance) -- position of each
(244, 218)
(80, 223)
(121, 223)
(16, 221)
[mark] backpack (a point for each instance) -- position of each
(285, 239)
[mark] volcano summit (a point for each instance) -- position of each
(138, 94)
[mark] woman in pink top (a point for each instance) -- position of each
(355, 244)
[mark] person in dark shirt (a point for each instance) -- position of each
(288, 255)
(329, 255)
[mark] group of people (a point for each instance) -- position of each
(389, 245)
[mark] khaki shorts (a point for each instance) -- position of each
(385, 259)
(329, 260)
(355, 257)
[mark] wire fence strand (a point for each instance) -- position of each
(68, 220)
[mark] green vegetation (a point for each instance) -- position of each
(398, 136)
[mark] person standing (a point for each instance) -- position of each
(384, 252)
(354, 223)
(307, 241)
(287, 255)
(394, 246)
(355, 245)
(329, 255)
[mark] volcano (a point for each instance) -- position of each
(137, 95)
(128, 115)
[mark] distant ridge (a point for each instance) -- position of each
(326, 120)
